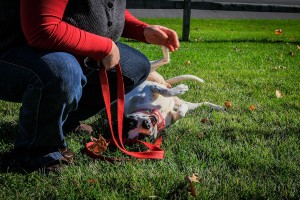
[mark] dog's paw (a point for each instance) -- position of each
(216, 107)
(179, 89)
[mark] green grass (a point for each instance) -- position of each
(240, 154)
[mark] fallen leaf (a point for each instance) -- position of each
(201, 135)
(204, 120)
(191, 180)
(227, 104)
(278, 31)
(252, 107)
(278, 94)
(194, 178)
(99, 145)
(92, 181)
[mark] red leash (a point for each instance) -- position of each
(154, 151)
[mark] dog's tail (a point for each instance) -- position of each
(184, 78)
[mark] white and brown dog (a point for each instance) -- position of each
(154, 104)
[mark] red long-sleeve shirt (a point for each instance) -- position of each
(44, 28)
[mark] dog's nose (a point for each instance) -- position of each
(146, 124)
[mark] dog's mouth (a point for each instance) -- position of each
(144, 122)
(153, 119)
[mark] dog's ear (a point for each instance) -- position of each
(128, 124)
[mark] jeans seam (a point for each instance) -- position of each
(39, 95)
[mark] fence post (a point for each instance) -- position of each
(186, 20)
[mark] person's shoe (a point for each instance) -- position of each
(68, 154)
(57, 165)
(53, 161)
(83, 129)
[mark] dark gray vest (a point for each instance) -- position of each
(101, 17)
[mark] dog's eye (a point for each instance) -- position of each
(153, 120)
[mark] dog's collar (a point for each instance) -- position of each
(161, 122)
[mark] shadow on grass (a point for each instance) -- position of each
(8, 164)
(179, 191)
(7, 138)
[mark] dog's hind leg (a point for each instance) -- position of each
(192, 106)
(165, 60)
(211, 105)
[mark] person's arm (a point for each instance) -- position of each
(43, 28)
(152, 34)
(134, 28)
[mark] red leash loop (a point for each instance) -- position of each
(154, 151)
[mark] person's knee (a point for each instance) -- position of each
(65, 77)
(136, 75)
(144, 69)
(141, 69)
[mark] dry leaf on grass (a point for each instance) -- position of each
(227, 104)
(278, 94)
(252, 107)
(204, 120)
(191, 180)
(278, 32)
(201, 135)
(92, 181)
(99, 145)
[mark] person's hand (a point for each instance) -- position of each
(160, 35)
(112, 59)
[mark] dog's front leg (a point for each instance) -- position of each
(169, 92)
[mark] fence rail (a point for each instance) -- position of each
(188, 5)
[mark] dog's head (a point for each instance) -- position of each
(143, 123)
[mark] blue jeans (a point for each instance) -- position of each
(57, 92)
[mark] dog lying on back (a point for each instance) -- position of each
(154, 104)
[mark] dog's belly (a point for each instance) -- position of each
(143, 98)
(164, 104)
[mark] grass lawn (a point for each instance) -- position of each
(251, 151)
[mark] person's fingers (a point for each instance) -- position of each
(172, 41)
(160, 35)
